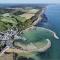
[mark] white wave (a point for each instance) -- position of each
(23, 38)
(56, 36)
(46, 47)
(51, 32)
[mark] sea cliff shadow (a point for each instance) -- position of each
(43, 21)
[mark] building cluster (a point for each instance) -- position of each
(20, 21)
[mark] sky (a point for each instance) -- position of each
(29, 1)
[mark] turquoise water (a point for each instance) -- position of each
(37, 34)
(53, 15)
(53, 22)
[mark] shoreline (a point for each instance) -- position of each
(54, 34)
(39, 17)
(32, 27)
(46, 47)
(49, 42)
(43, 49)
(28, 51)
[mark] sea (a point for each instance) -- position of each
(52, 21)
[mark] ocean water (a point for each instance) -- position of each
(53, 22)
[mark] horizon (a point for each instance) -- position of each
(30, 1)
